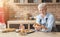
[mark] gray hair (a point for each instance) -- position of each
(42, 5)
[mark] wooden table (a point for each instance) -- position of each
(35, 34)
(43, 34)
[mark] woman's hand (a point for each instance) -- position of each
(43, 27)
(37, 26)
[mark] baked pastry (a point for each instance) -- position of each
(9, 30)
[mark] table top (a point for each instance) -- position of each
(35, 34)
(21, 21)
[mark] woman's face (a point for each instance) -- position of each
(43, 10)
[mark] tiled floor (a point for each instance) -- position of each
(36, 34)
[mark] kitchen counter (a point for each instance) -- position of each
(21, 22)
(57, 22)
(27, 21)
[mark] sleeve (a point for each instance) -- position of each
(37, 20)
(50, 23)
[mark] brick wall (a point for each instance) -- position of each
(55, 9)
(32, 9)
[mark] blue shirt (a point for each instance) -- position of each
(48, 21)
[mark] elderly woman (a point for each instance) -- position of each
(44, 21)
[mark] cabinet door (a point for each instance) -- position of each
(57, 0)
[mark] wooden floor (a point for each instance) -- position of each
(36, 34)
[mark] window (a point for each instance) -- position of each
(19, 1)
(57, 0)
(35, 1)
(46, 1)
(25, 1)
(30, 1)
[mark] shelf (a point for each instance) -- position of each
(26, 3)
(32, 3)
